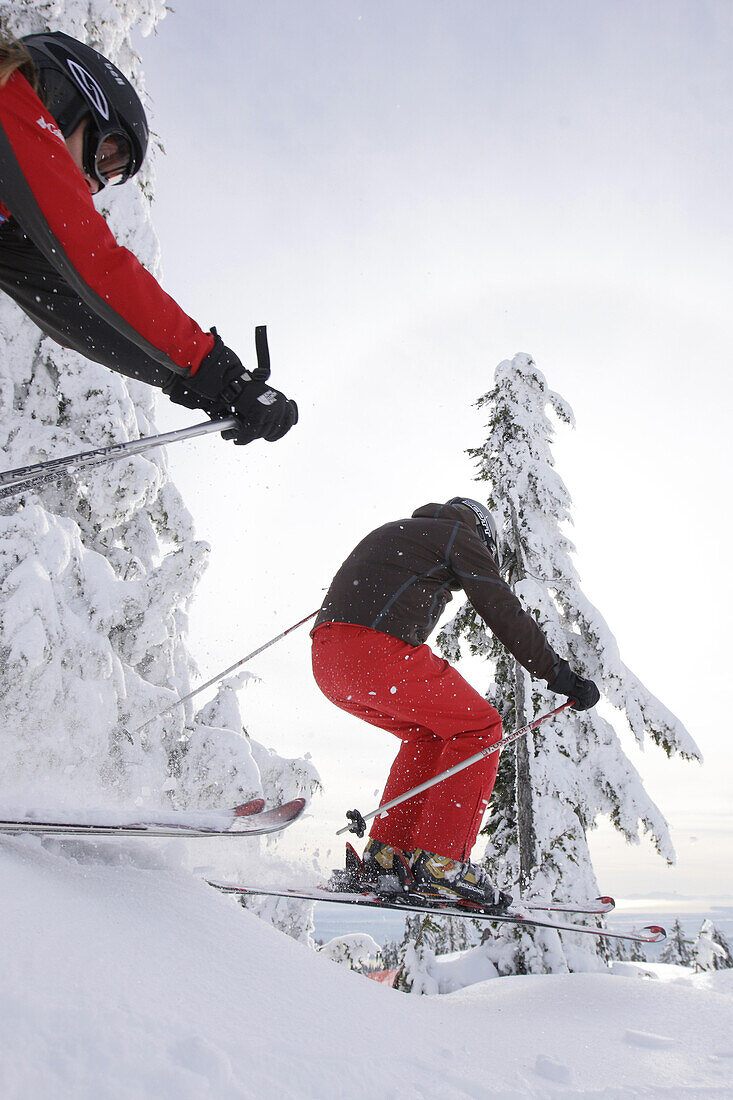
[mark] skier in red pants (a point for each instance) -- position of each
(370, 659)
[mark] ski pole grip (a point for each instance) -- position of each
(358, 824)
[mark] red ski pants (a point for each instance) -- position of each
(440, 720)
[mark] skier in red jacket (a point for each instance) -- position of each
(70, 123)
(370, 659)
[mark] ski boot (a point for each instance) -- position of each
(382, 869)
(386, 869)
(442, 877)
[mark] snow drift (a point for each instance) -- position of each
(123, 975)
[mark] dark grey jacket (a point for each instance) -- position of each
(400, 577)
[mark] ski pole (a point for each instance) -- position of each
(27, 477)
(226, 672)
(358, 821)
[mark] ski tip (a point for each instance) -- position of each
(607, 903)
(258, 821)
(656, 933)
(254, 806)
(288, 812)
(226, 887)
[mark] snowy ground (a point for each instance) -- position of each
(122, 975)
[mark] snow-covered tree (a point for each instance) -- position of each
(711, 950)
(676, 950)
(555, 783)
(356, 950)
(425, 939)
(97, 572)
(723, 961)
(422, 968)
(453, 934)
(416, 953)
(626, 950)
(390, 954)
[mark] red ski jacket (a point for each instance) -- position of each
(47, 195)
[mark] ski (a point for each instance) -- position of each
(591, 908)
(249, 819)
(416, 903)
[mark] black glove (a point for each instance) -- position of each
(583, 693)
(178, 388)
(222, 387)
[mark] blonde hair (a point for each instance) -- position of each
(14, 57)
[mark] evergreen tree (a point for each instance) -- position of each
(711, 951)
(97, 572)
(416, 954)
(677, 950)
(625, 951)
(723, 961)
(453, 934)
(553, 784)
(391, 954)
(423, 968)
(637, 951)
(357, 950)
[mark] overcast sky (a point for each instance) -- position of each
(407, 193)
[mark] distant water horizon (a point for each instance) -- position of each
(332, 920)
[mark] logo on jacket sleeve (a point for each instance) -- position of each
(51, 127)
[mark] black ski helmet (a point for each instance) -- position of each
(485, 522)
(75, 81)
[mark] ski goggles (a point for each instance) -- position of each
(107, 157)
